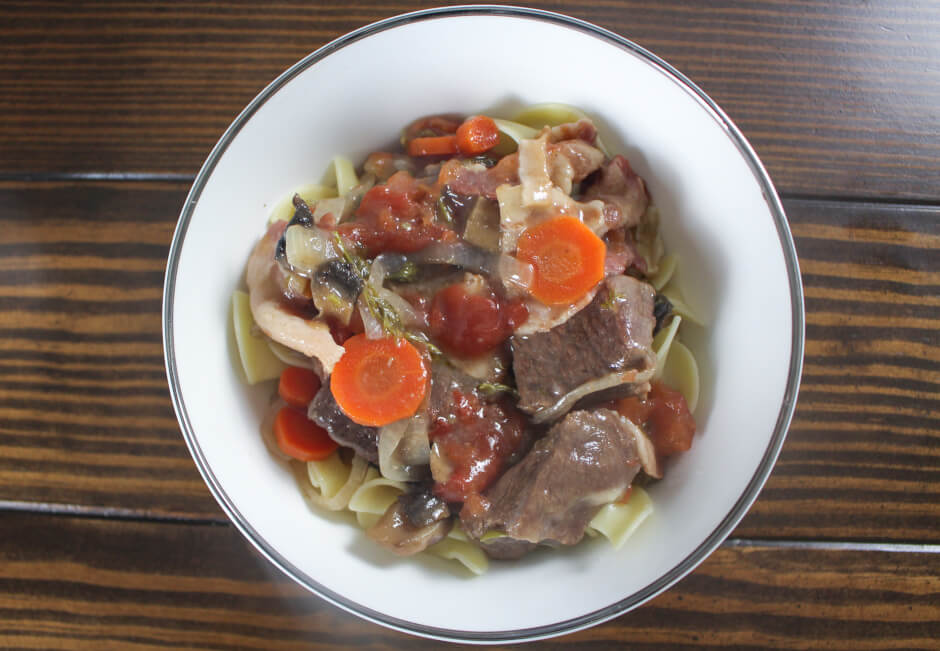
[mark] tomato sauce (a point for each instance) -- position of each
(477, 441)
(397, 216)
(467, 324)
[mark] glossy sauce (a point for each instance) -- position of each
(467, 323)
(477, 441)
(397, 216)
(665, 417)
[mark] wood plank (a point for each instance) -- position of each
(861, 459)
(73, 583)
(839, 98)
(85, 417)
(85, 412)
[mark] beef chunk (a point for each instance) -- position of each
(447, 385)
(585, 461)
(622, 191)
(324, 411)
(602, 352)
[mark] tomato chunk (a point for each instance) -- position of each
(468, 323)
(665, 417)
(397, 216)
(477, 442)
(670, 424)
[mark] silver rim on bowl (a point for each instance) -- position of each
(724, 527)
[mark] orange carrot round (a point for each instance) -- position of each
(300, 438)
(476, 135)
(298, 386)
(567, 256)
(433, 146)
(379, 381)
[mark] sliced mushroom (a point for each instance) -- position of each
(422, 507)
(335, 287)
(395, 532)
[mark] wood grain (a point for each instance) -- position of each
(71, 583)
(839, 98)
(85, 416)
(862, 459)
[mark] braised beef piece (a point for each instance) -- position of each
(583, 158)
(585, 461)
(505, 548)
(324, 411)
(580, 130)
(622, 191)
(447, 384)
(600, 353)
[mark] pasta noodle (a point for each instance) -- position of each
(510, 135)
(374, 497)
(681, 372)
(617, 522)
(667, 267)
(457, 547)
(283, 210)
(345, 175)
(331, 482)
(258, 362)
(663, 341)
(553, 114)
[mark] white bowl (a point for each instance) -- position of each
(719, 211)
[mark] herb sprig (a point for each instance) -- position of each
(383, 311)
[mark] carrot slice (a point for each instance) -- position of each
(476, 135)
(379, 381)
(433, 146)
(567, 256)
(298, 386)
(301, 438)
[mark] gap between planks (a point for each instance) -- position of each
(130, 515)
(158, 177)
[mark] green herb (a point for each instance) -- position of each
(492, 535)
(335, 301)
(406, 274)
(612, 299)
(444, 212)
(381, 309)
(495, 388)
(421, 338)
(357, 262)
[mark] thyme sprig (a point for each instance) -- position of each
(495, 388)
(383, 311)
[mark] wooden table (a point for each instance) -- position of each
(111, 539)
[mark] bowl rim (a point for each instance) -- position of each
(719, 533)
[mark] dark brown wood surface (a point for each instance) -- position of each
(110, 538)
(87, 583)
(839, 98)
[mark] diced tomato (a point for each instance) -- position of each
(477, 441)
(671, 426)
(397, 216)
(468, 324)
(665, 417)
